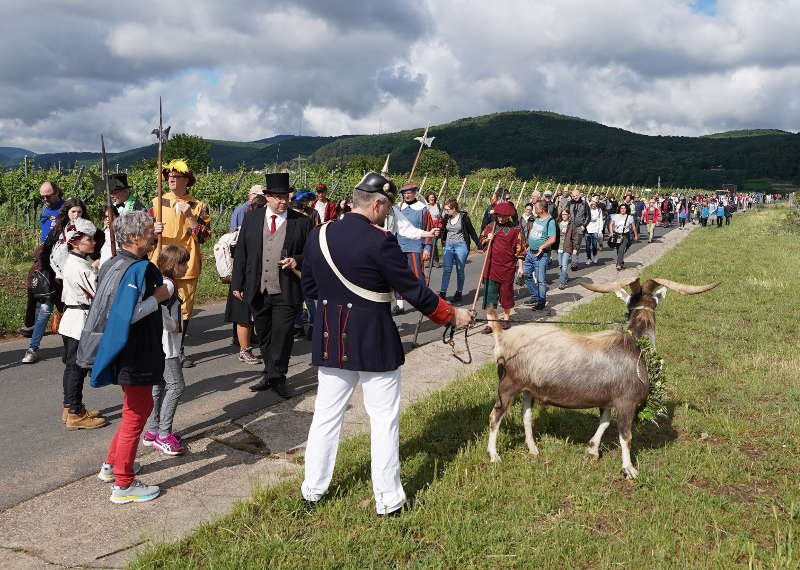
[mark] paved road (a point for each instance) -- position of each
(38, 454)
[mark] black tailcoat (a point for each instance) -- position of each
(247, 261)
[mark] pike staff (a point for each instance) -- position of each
(162, 134)
(109, 204)
(424, 141)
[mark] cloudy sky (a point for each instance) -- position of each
(245, 70)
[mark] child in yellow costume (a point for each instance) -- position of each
(186, 224)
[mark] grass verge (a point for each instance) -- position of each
(718, 484)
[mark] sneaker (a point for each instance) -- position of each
(246, 355)
(136, 492)
(562, 285)
(442, 294)
(107, 471)
(539, 306)
(186, 362)
(31, 356)
(171, 445)
(27, 332)
(531, 302)
(148, 438)
(397, 311)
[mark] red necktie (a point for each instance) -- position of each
(272, 224)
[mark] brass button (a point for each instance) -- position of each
(349, 305)
(344, 336)
(325, 334)
(325, 355)
(344, 358)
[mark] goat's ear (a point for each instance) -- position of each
(660, 294)
(623, 294)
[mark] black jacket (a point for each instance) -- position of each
(469, 231)
(247, 262)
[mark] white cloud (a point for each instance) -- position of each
(241, 70)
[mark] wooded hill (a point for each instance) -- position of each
(536, 144)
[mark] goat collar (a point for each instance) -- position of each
(641, 308)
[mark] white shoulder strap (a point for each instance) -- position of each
(355, 289)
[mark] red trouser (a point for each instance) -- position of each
(137, 404)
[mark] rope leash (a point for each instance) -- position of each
(449, 332)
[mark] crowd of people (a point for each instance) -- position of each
(299, 265)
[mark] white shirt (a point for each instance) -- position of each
(405, 228)
(279, 220)
(79, 279)
(171, 317)
(320, 207)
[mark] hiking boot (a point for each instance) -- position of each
(457, 297)
(27, 332)
(562, 285)
(171, 445)
(106, 473)
(31, 356)
(443, 295)
(90, 413)
(136, 492)
(246, 355)
(148, 438)
(85, 421)
(397, 311)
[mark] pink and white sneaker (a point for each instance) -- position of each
(171, 445)
(148, 438)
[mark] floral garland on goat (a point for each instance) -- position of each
(654, 406)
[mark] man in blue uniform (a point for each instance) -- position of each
(351, 267)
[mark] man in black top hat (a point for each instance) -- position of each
(266, 275)
(121, 195)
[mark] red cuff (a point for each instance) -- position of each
(443, 314)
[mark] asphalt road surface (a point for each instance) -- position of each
(38, 454)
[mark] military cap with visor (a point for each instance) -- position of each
(375, 183)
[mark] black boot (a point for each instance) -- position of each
(457, 297)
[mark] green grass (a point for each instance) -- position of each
(718, 479)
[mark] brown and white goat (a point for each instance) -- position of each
(601, 370)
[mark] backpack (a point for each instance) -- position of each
(40, 285)
(223, 255)
(110, 275)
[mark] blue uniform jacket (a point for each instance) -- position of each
(351, 332)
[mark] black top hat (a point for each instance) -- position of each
(374, 182)
(277, 183)
(118, 181)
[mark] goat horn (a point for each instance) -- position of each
(684, 289)
(612, 287)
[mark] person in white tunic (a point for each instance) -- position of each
(80, 284)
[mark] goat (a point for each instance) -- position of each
(600, 370)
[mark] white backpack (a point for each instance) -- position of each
(223, 257)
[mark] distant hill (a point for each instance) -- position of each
(568, 148)
(745, 133)
(12, 154)
(536, 143)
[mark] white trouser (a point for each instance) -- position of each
(382, 402)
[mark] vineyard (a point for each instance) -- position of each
(19, 193)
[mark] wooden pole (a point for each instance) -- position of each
(159, 174)
(480, 277)
(521, 192)
(428, 281)
(463, 184)
(424, 180)
(441, 190)
(477, 196)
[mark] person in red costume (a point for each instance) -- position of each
(505, 260)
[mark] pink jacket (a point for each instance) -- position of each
(651, 215)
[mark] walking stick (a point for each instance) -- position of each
(427, 280)
(480, 278)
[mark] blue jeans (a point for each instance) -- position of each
(563, 262)
(43, 312)
(591, 245)
(454, 253)
(537, 266)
